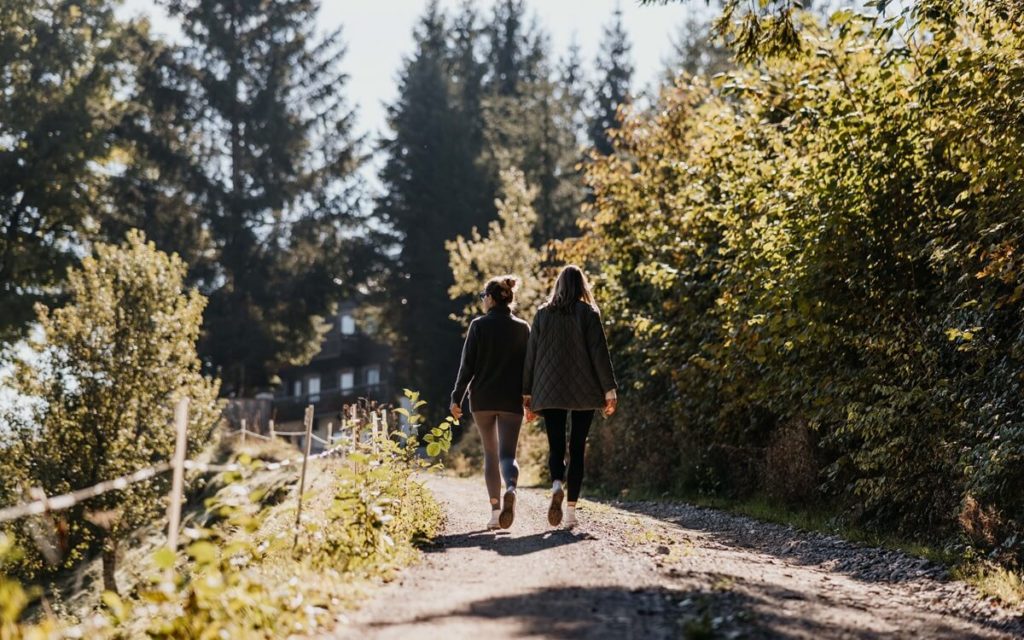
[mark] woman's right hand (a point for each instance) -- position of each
(456, 411)
(611, 402)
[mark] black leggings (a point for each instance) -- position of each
(554, 423)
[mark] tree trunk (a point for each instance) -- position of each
(109, 564)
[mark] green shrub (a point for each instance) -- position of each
(828, 239)
(14, 598)
(243, 577)
(103, 381)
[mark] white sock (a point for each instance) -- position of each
(570, 510)
(556, 485)
(495, 512)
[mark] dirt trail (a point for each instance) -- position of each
(647, 570)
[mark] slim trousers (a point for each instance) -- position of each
(555, 424)
(499, 431)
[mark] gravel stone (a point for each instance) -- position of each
(662, 570)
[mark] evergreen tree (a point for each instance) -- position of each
(156, 189)
(696, 51)
(572, 88)
(466, 72)
(434, 189)
(528, 123)
(612, 90)
(513, 49)
(245, 125)
(59, 62)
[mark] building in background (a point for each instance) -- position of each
(350, 365)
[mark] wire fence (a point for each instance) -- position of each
(354, 422)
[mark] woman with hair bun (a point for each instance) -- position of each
(491, 372)
(568, 376)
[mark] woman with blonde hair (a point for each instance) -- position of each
(491, 371)
(567, 377)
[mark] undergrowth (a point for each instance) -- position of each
(242, 572)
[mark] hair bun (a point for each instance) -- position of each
(511, 282)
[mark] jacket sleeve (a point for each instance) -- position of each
(467, 366)
(597, 344)
(531, 356)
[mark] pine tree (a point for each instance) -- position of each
(695, 51)
(434, 190)
(528, 124)
(572, 88)
(612, 90)
(156, 135)
(59, 62)
(247, 120)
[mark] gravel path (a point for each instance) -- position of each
(656, 570)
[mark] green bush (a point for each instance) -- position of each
(241, 575)
(14, 598)
(827, 240)
(102, 383)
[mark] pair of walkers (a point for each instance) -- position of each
(559, 368)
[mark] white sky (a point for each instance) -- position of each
(379, 35)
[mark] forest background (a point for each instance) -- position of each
(805, 246)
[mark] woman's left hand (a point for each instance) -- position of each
(456, 411)
(611, 401)
(527, 409)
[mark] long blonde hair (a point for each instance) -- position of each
(571, 287)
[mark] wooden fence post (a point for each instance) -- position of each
(178, 479)
(330, 434)
(243, 430)
(384, 421)
(302, 478)
(271, 428)
(375, 442)
(356, 435)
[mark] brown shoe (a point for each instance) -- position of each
(555, 510)
(508, 509)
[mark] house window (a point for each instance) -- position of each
(348, 324)
(373, 375)
(314, 388)
(348, 380)
(297, 388)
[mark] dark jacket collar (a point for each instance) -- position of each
(500, 311)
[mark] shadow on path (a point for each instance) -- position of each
(504, 544)
(610, 612)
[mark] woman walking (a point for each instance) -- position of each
(567, 377)
(492, 371)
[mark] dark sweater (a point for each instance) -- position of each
(492, 363)
(567, 361)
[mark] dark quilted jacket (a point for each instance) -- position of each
(567, 361)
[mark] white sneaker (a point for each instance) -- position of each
(493, 524)
(569, 521)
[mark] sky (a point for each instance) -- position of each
(379, 36)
